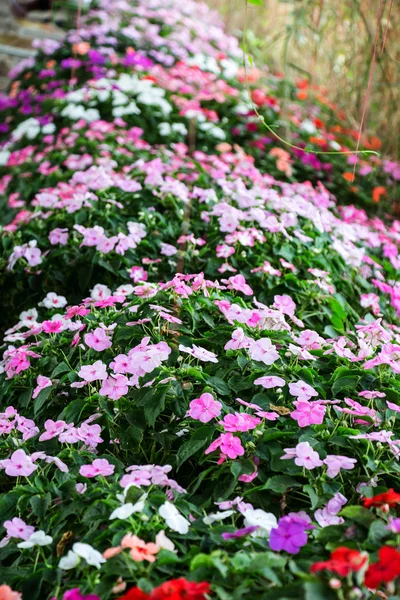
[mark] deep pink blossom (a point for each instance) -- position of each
(100, 466)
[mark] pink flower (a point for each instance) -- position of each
(205, 408)
(238, 283)
(20, 464)
(98, 340)
(200, 353)
(231, 445)
(302, 390)
(100, 466)
(264, 351)
(42, 383)
(225, 251)
(303, 455)
(53, 429)
(270, 381)
(336, 462)
(168, 250)
(138, 274)
(239, 422)
(238, 340)
(370, 394)
(58, 236)
(393, 406)
(52, 326)
(308, 413)
(6, 593)
(96, 371)
(285, 304)
(114, 387)
(17, 528)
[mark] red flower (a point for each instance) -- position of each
(390, 497)
(343, 561)
(176, 589)
(135, 594)
(385, 570)
(180, 589)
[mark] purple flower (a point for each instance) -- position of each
(239, 533)
(289, 536)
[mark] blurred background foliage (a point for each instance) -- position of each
(330, 43)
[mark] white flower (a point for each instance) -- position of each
(30, 128)
(4, 156)
(163, 541)
(38, 538)
(49, 128)
(308, 127)
(126, 510)
(265, 521)
(173, 518)
(219, 516)
(69, 561)
(89, 554)
(53, 301)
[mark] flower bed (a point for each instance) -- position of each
(200, 388)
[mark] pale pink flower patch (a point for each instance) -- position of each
(199, 352)
(42, 383)
(303, 455)
(98, 340)
(100, 466)
(264, 350)
(336, 462)
(302, 390)
(19, 465)
(308, 413)
(95, 372)
(270, 381)
(115, 386)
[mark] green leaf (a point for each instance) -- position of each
(280, 484)
(40, 505)
(41, 399)
(199, 439)
(349, 382)
(255, 2)
(61, 368)
(154, 406)
(219, 385)
(359, 514)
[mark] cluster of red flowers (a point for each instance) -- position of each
(176, 589)
(389, 498)
(387, 569)
(343, 561)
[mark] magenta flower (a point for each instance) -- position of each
(96, 371)
(98, 340)
(75, 594)
(42, 383)
(264, 351)
(231, 445)
(240, 532)
(114, 387)
(100, 466)
(290, 535)
(308, 413)
(20, 464)
(302, 390)
(205, 408)
(336, 462)
(270, 381)
(239, 422)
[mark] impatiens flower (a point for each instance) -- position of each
(138, 549)
(391, 498)
(38, 538)
(256, 517)
(17, 528)
(96, 371)
(269, 382)
(308, 413)
(179, 589)
(239, 532)
(42, 383)
(302, 390)
(54, 301)
(20, 464)
(290, 535)
(75, 594)
(89, 554)
(284, 304)
(114, 387)
(200, 353)
(173, 518)
(264, 350)
(58, 236)
(205, 408)
(6, 593)
(98, 340)
(100, 466)
(336, 462)
(342, 561)
(387, 569)
(303, 455)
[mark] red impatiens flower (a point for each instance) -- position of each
(343, 561)
(390, 498)
(385, 570)
(176, 589)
